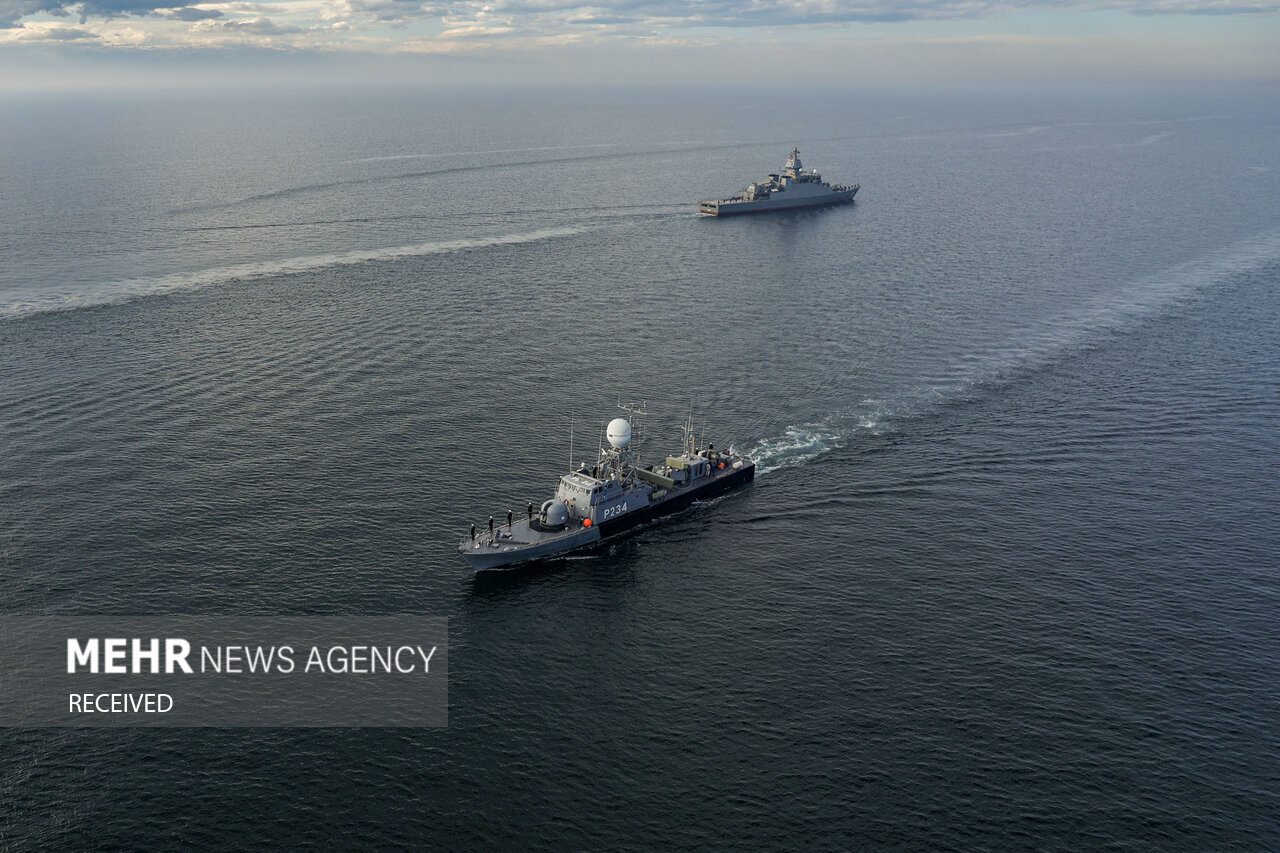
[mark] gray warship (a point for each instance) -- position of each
(595, 503)
(794, 188)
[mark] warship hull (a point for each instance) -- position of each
(768, 205)
(500, 556)
(522, 544)
(682, 499)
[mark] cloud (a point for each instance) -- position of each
(67, 34)
(542, 17)
(109, 9)
(50, 33)
(1229, 8)
(388, 11)
(253, 27)
(444, 25)
(13, 11)
(191, 13)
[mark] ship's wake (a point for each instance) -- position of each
(804, 443)
(91, 295)
(538, 163)
(1035, 347)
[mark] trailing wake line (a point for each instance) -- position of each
(121, 291)
(1043, 344)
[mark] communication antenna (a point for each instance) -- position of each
(571, 442)
(688, 430)
(634, 410)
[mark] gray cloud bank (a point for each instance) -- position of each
(774, 13)
(500, 18)
(191, 13)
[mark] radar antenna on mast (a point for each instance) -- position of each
(619, 457)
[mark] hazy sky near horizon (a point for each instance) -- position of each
(56, 42)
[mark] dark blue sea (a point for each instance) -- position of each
(1009, 576)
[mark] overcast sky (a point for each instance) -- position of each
(855, 42)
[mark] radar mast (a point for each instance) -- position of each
(619, 459)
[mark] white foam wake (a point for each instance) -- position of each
(91, 295)
(796, 446)
(800, 444)
(1036, 346)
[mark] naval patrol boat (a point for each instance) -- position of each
(793, 188)
(595, 503)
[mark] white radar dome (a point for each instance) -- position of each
(619, 432)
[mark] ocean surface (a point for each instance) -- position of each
(1008, 579)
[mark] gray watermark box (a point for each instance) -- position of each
(187, 671)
